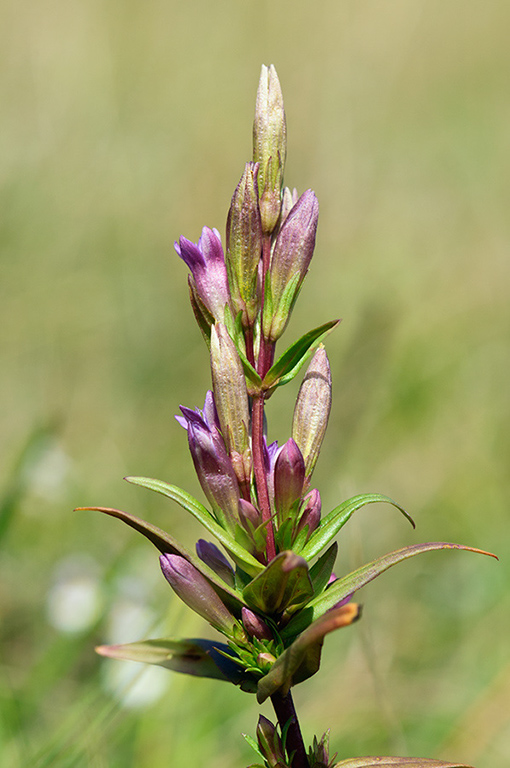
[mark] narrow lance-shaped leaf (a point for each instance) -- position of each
(344, 587)
(197, 657)
(335, 520)
(288, 365)
(190, 504)
(166, 544)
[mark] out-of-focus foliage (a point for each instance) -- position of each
(122, 126)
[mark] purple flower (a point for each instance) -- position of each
(212, 463)
(289, 478)
(209, 273)
(194, 590)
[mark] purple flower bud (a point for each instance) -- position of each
(244, 246)
(311, 515)
(209, 273)
(289, 477)
(255, 626)
(313, 406)
(269, 146)
(231, 400)
(249, 516)
(194, 590)
(215, 559)
(213, 467)
(289, 200)
(291, 257)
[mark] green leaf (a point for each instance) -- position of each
(301, 660)
(197, 657)
(403, 762)
(288, 365)
(349, 584)
(337, 518)
(190, 504)
(320, 572)
(283, 584)
(168, 545)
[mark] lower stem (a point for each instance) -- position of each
(287, 718)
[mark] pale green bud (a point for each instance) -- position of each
(312, 409)
(269, 146)
(231, 398)
(244, 245)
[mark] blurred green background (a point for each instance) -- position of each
(125, 124)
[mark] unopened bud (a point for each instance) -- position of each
(269, 146)
(289, 200)
(215, 559)
(311, 515)
(312, 409)
(270, 743)
(292, 253)
(255, 626)
(231, 398)
(194, 590)
(249, 516)
(244, 245)
(289, 477)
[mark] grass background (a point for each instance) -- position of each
(125, 124)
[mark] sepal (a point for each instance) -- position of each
(282, 586)
(301, 660)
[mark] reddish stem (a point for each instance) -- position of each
(286, 714)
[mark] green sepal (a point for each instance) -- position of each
(198, 657)
(288, 365)
(403, 762)
(349, 584)
(192, 505)
(302, 659)
(337, 518)
(284, 584)
(321, 571)
(168, 545)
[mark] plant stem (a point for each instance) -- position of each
(259, 469)
(286, 713)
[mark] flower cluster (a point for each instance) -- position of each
(270, 590)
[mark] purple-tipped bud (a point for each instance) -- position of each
(213, 467)
(249, 516)
(215, 559)
(231, 398)
(270, 743)
(289, 478)
(194, 590)
(255, 626)
(312, 409)
(209, 273)
(311, 515)
(291, 257)
(244, 246)
(269, 146)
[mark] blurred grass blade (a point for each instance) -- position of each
(338, 517)
(342, 588)
(37, 444)
(190, 504)
(403, 762)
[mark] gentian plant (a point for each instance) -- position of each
(270, 590)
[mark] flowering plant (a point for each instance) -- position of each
(275, 597)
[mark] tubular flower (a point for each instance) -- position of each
(206, 262)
